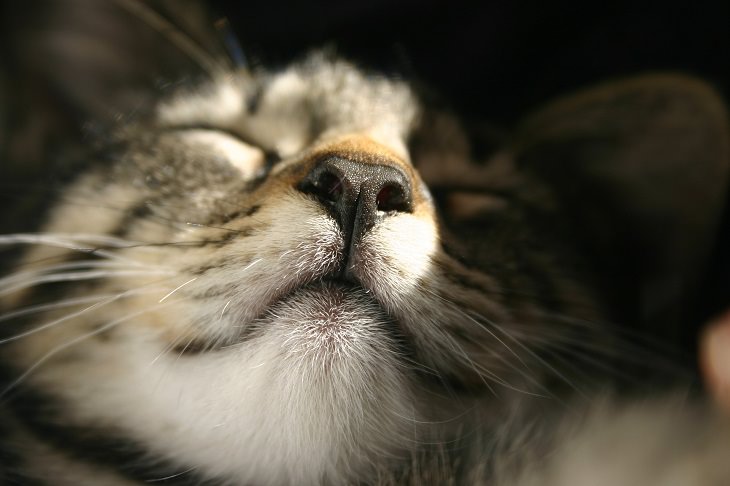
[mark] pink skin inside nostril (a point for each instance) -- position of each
(389, 198)
(331, 185)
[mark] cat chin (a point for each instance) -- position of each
(320, 383)
(329, 327)
(327, 308)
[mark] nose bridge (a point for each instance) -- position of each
(364, 150)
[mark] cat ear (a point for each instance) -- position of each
(641, 166)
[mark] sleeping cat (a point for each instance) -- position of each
(304, 276)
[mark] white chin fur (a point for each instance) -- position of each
(330, 326)
(316, 393)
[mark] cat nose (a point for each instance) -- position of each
(358, 193)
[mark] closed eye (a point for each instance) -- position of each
(248, 159)
(271, 157)
(252, 161)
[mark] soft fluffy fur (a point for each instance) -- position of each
(191, 310)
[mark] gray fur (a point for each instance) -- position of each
(196, 329)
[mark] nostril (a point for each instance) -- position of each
(329, 186)
(357, 194)
(392, 197)
(325, 185)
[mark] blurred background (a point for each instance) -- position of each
(497, 59)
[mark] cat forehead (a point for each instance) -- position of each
(286, 111)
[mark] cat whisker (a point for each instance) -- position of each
(72, 242)
(177, 288)
(167, 348)
(627, 335)
(174, 345)
(80, 276)
(225, 307)
(155, 216)
(224, 228)
(102, 243)
(626, 345)
(586, 360)
(483, 373)
(72, 342)
(416, 366)
(171, 476)
(35, 309)
(86, 264)
(175, 35)
(525, 371)
(73, 315)
(566, 340)
(64, 239)
(532, 354)
(620, 351)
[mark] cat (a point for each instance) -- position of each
(303, 275)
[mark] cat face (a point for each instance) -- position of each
(298, 276)
(299, 315)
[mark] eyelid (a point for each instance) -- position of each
(270, 157)
(210, 128)
(247, 158)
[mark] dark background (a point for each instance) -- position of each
(496, 60)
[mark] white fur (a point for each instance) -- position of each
(269, 411)
(218, 104)
(246, 158)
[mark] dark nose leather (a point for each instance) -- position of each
(358, 193)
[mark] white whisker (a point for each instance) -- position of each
(178, 288)
(75, 341)
(166, 349)
(34, 309)
(88, 264)
(79, 276)
(224, 309)
(176, 36)
(65, 238)
(75, 242)
(172, 476)
(535, 356)
(251, 264)
(73, 315)
(19, 276)
(525, 372)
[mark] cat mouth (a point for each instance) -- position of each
(326, 290)
(323, 306)
(323, 314)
